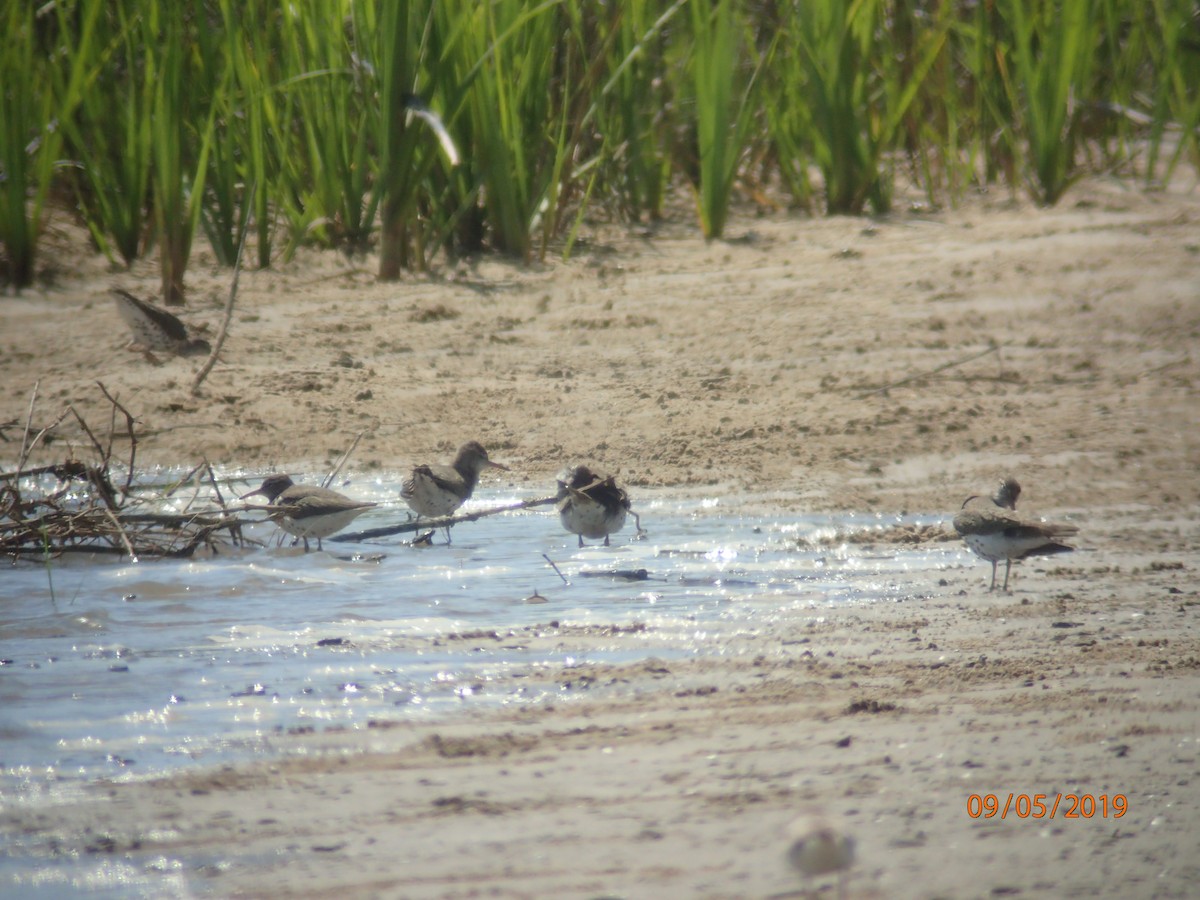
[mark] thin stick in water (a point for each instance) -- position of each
(342, 460)
(555, 568)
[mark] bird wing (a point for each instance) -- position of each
(132, 307)
(445, 478)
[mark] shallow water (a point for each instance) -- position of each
(124, 670)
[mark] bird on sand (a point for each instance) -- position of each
(156, 329)
(994, 531)
(308, 512)
(437, 491)
(589, 504)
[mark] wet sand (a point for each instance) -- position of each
(828, 365)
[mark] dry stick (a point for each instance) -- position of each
(342, 460)
(212, 479)
(181, 552)
(235, 531)
(103, 487)
(41, 434)
(124, 537)
(62, 471)
(26, 448)
(202, 535)
(112, 426)
(220, 341)
(88, 431)
(950, 365)
(555, 568)
(187, 479)
(388, 530)
(129, 425)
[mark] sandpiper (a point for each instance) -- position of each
(590, 505)
(436, 491)
(156, 329)
(305, 511)
(994, 531)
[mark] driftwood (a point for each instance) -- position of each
(80, 510)
(91, 506)
(433, 524)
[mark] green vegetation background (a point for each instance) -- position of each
(305, 123)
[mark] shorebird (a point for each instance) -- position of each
(304, 511)
(436, 491)
(818, 849)
(156, 329)
(994, 531)
(590, 505)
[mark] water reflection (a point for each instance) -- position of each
(128, 670)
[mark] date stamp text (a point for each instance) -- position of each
(1047, 806)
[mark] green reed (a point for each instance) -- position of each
(146, 118)
(109, 137)
(725, 105)
(1174, 50)
(634, 106)
(1053, 46)
(517, 64)
(34, 96)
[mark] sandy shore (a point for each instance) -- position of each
(844, 364)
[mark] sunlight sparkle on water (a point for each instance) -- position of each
(149, 667)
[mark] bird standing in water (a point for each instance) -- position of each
(304, 511)
(590, 505)
(436, 491)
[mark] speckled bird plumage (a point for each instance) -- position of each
(589, 504)
(155, 329)
(436, 491)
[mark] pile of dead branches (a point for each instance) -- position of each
(78, 506)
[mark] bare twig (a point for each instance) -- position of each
(224, 330)
(124, 536)
(186, 479)
(26, 448)
(640, 534)
(555, 568)
(342, 460)
(404, 527)
(41, 434)
(235, 531)
(62, 471)
(87, 429)
(129, 425)
(98, 475)
(950, 365)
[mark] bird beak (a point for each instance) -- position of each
(496, 465)
(254, 493)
